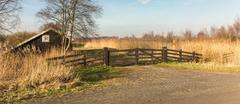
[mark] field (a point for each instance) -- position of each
(32, 76)
(212, 43)
(212, 50)
(119, 52)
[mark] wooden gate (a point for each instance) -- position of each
(148, 56)
(137, 56)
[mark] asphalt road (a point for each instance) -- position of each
(154, 85)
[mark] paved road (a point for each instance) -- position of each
(152, 85)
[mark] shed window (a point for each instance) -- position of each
(45, 38)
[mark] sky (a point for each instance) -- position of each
(128, 17)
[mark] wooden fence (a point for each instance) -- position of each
(80, 58)
(114, 57)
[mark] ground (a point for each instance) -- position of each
(155, 85)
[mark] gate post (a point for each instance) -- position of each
(106, 56)
(85, 60)
(164, 54)
(137, 55)
(194, 56)
(180, 55)
(152, 57)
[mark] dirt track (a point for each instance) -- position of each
(152, 85)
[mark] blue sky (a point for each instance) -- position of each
(126, 17)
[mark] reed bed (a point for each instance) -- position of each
(32, 71)
(212, 49)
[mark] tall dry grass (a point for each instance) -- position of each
(212, 49)
(32, 71)
(211, 43)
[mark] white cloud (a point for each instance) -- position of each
(144, 1)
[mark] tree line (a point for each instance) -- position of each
(229, 32)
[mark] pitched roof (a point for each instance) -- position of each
(34, 37)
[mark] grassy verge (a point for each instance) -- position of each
(205, 67)
(24, 94)
(86, 78)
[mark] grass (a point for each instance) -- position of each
(82, 48)
(99, 73)
(212, 49)
(31, 76)
(85, 78)
(205, 67)
(32, 71)
(25, 94)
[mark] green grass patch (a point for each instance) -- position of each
(205, 67)
(91, 77)
(93, 74)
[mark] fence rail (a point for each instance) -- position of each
(114, 57)
(81, 58)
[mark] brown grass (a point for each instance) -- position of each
(212, 43)
(212, 49)
(31, 71)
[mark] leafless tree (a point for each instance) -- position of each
(9, 14)
(188, 34)
(202, 34)
(236, 27)
(74, 16)
(54, 26)
(170, 36)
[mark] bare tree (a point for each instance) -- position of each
(236, 27)
(188, 34)
(202, 34)
(8, 14)
(54, 26)
(74, 16)
(170, 36)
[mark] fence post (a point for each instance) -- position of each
(106, 56)
(180, 55)
(194, 56)
(164, 54)
(84, 60)
(137, 55)
(152, 57)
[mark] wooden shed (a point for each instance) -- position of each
(41, 42)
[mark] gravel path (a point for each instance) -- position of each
(154, 85)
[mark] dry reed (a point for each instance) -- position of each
(212, 49)
(31, 71)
